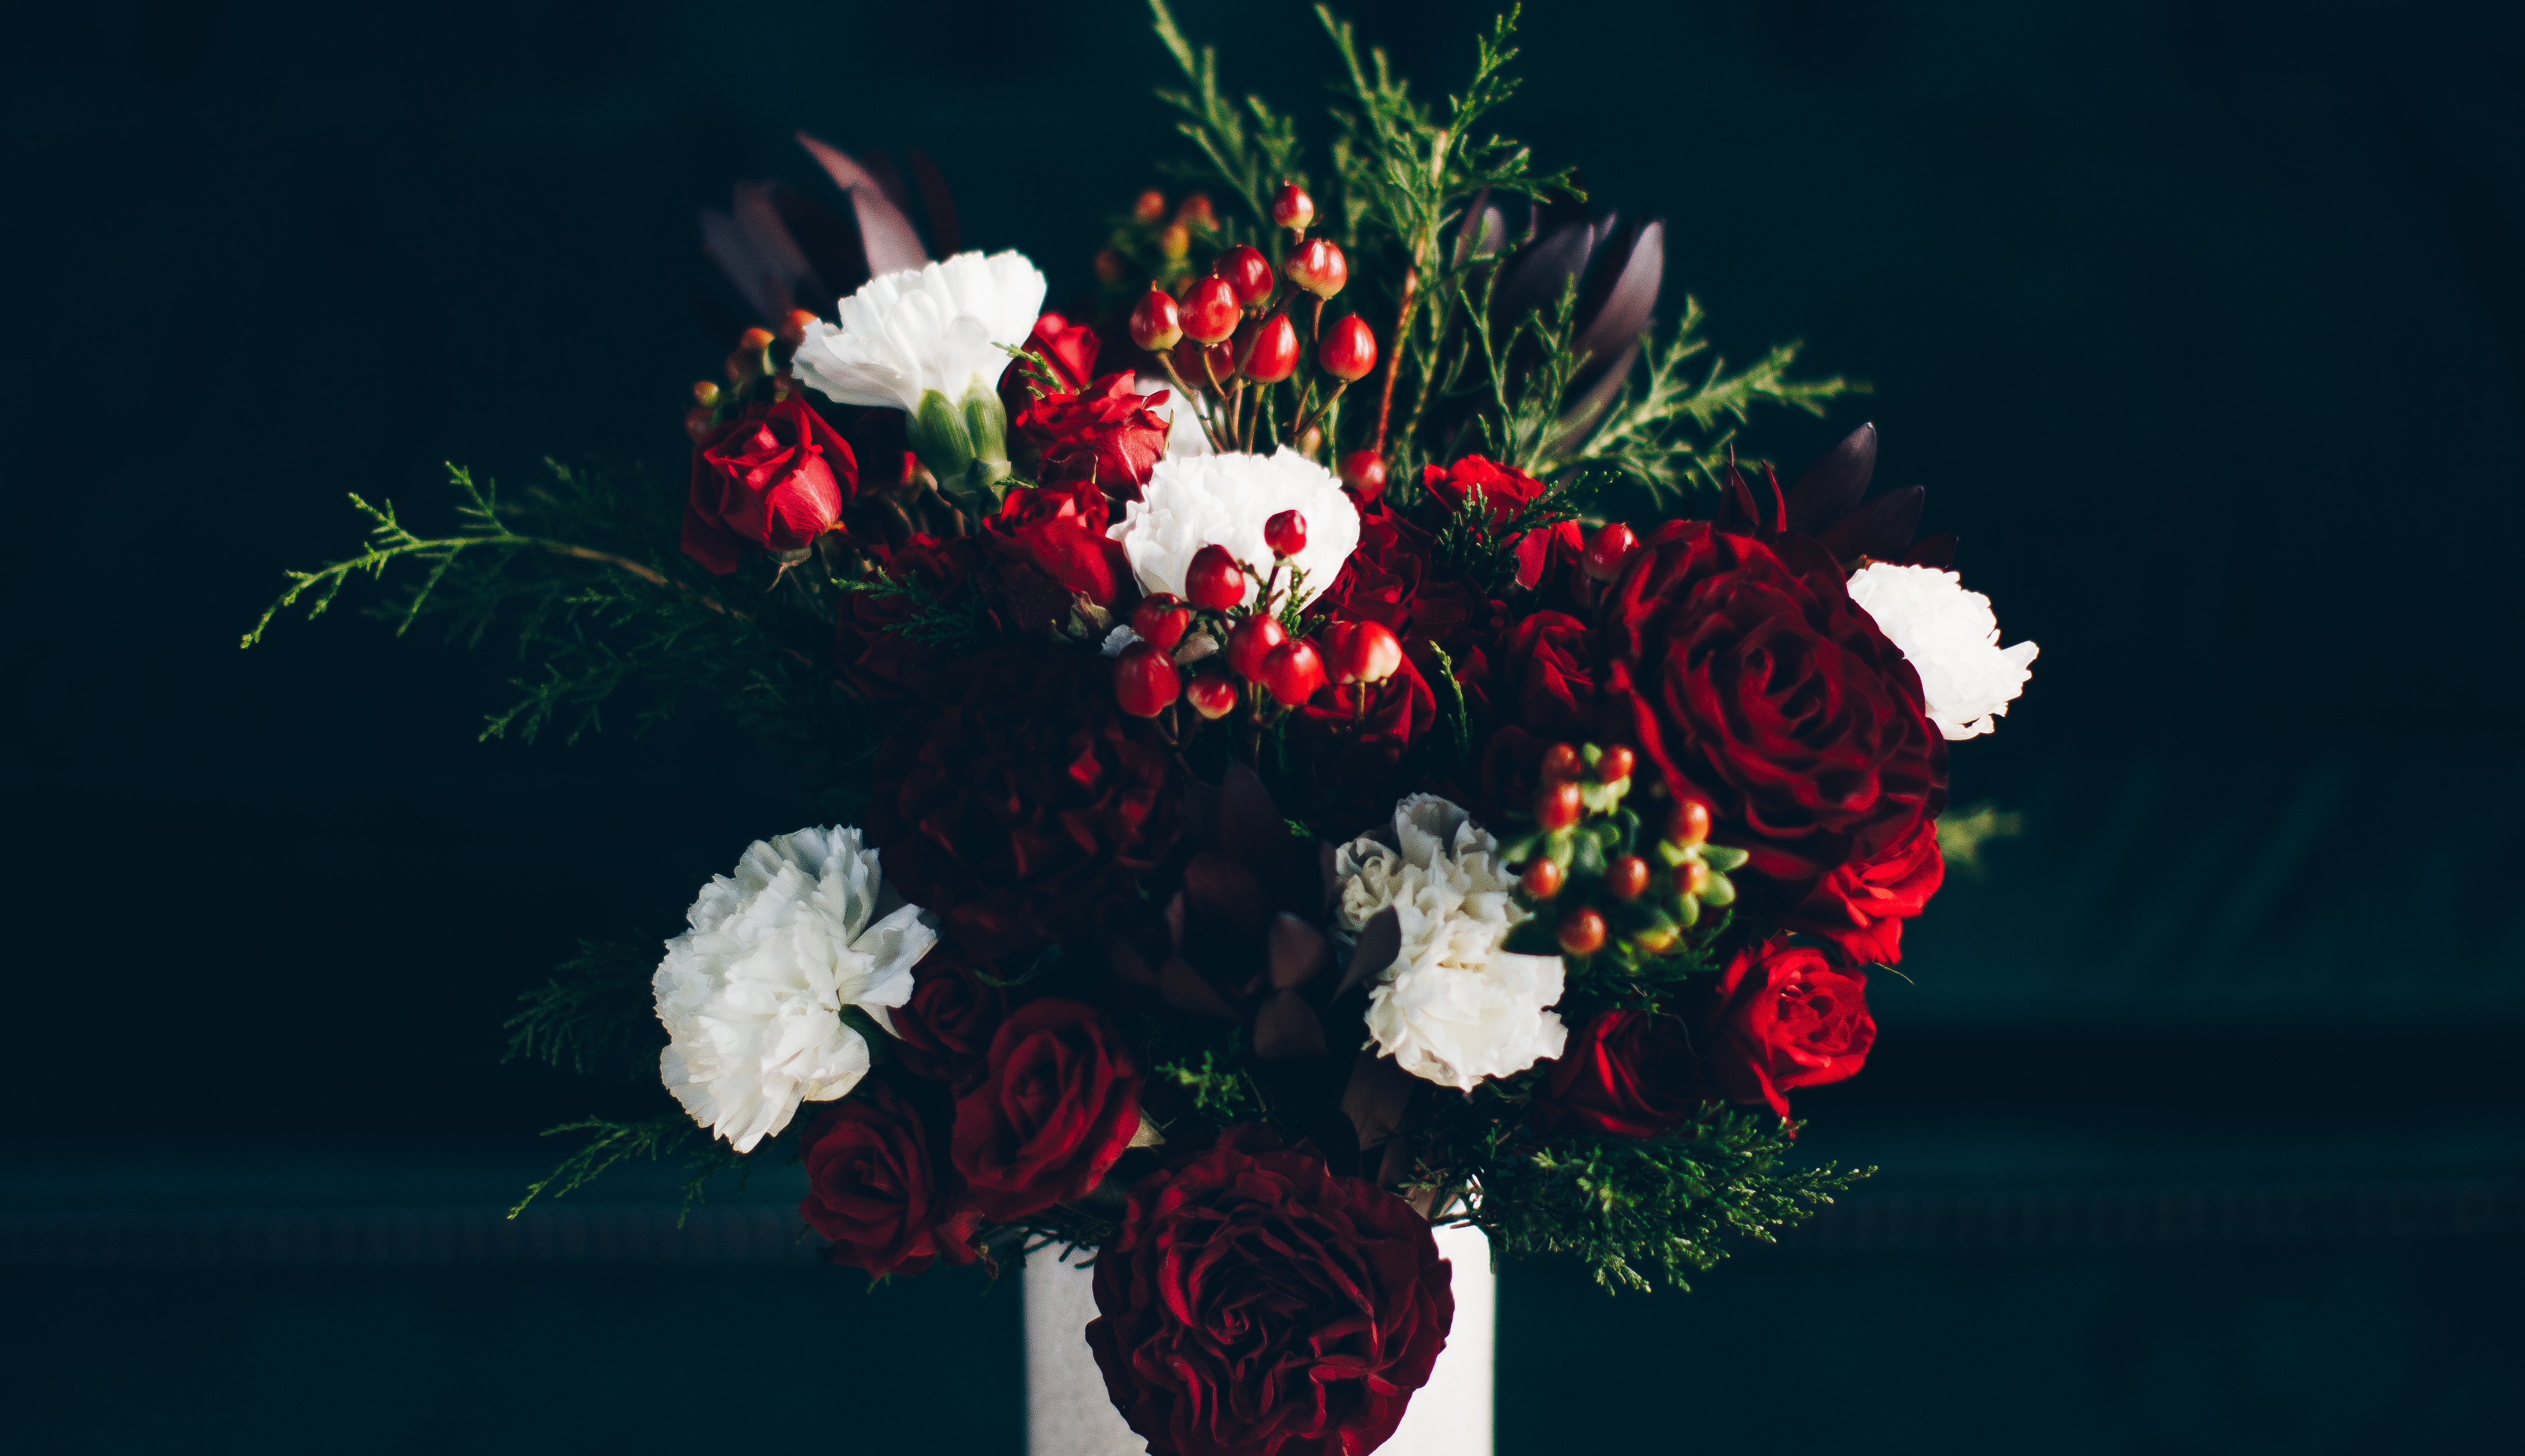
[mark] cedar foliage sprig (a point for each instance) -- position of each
(612, 1141)
(593, 1014)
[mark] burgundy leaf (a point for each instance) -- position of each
(1380, 942)
(1299, 953)
(1834, 484)
(885, 234)
(1881, 528)
(1286, 1028)
(1378, 1095)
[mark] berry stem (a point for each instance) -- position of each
(1394, 361)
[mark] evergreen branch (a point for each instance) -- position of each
(959, 623)
(1251, 162)
(591, 1014)
(613, 1143)
(389, 542)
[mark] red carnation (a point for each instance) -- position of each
(1108, 433)
(1786, 1016)
(945, 1030)
(772, 480)
(880, 1186)
(1505, 492)
(1626, 1074)
(1756, 684)
(1861, 906)
(1058, 1103)
(1256, 1304)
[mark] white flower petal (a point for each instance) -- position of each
(936, 327)
(1222, 500)
(1951, 638)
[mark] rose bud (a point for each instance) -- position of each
(1156, 322)
(1161, 620)
(1689, 824)
(1614, 765)
(1604, 555)
(1109, 268)
(1151, 206)
(1285, 533)
(1247, 271)
(1211, 311)
(1145, 680)
(1174, 241)
(1194, 212)
(1293, 209)
(1369, 652)
(1627, 877)
(1363, 470)
(1293, 672)
(1267, 352)
(794, 326)
(1542, 879)
(705, 393)
(1349, 350)
(1213, 695)
(1318, 268)
(1583, 931)
(1559, 805)
(1252, 641)
(1214, 581)
(1561, 763)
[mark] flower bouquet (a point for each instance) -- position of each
(1328, 739)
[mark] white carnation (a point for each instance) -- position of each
(1454, 1008)
(752, 995)
(1222, 500)
(941, 327)
(1951, 637)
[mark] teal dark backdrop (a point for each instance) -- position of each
(2204, 320)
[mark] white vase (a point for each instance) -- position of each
(1068, 1413)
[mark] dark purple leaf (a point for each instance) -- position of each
(1299, 953)
(1380, 942)
(1286, 1028)
(1618, 304)
(1834, 484)
(1188, 990)
(1377, 1097)
(885, 234)
(1937, 551)
(1880, 528)
(934, 196)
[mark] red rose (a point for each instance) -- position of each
(1255, 1304)
(1627, 1074)
(1050, 546)
(947, 1026)
(1785, 1017)
(1070, 348)
(773, 481)
(1756, 684)
(1024, 808)
(1861, 906)
(1549, 666)
(1391, 580)
(1058, 1101)
(1107, 434)
(885, 649)
(1505, 492)
(878, 1186)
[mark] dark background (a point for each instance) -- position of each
(2204, 321)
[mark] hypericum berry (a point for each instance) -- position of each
(1691, 876)
(1318, 268)
(1161, 620)
(1151, 206)
(1246, 271)
(1627, 877)
(1689, 824)
(1583, 931)
(1251, 641)
(705, 393)
(1608, 551)
(1194, 212)
(1174, 240)
(1210, 310)
(1293, 209)
(1213, 695)
(1559, 805)
(1349, 350)
(1214, 581)
(1266, 353)
(1156, 322)
(1363, 470)
(1561, 763)
(1540, 880)
(1366, 652)
(699, 421)
(1293, 672)
(1285, 533)
(754, 340)
(1614, 765)
(1145, 680)
(1109, 268)
(794, 326)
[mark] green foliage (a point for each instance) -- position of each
(611, 1143)
(595, 1014)
(1482, 549)
(1221, 1090)
(1251, 157)
(1962, 835)
(478, 525)
(957, 622)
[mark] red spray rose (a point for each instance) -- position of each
(1050, 545)
(880, 1186)
(1787, 1017)
(773, 481)
(1024, 808)
(1861, 906)
(1549, 666)
(1505, 492)
(881, 654)
(945, 1030)
(1255, 1304)
(1069, 347)
(1106, 433)
(1058, 1101)
(1756, 686)
(1389, 579)
(1626, 1074)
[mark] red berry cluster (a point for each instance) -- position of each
(1610, 884)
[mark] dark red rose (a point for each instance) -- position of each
(1025, 505)
(1625, 1073)
(1391, 580)
(1024, 810)
(879, 1186)
(1256, 1304)
(1397, 712)
(1756, 684)
(1548, 665)
(883, 649)
(1861, 906)
(1107, 434)
(1049, 546)
(772, 481)
(1058, 1101)
(1505, 492)
(1787, 1016)
(947, 1026)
